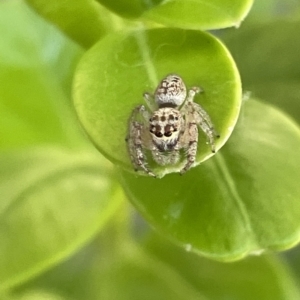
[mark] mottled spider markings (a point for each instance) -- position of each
(172, 126)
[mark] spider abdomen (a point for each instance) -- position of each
(171, 90)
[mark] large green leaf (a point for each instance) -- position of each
(269, 63)
(96, 21)
(188, 14)
(199, 14)
(113, 75)
(85, 21)
(243, 200)
(52, 202)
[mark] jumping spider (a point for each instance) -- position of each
(169, 127)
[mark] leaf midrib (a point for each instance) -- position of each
(235, 196)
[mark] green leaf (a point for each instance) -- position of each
(263, 277)
(244, 200)
(127, 8)
(36, 65)
(199, 14)
(160, 270)
(139, 276)
(187, 14)
(52, 202)
(269, 63)
(113, 75)
(85, 21)
(285, 94)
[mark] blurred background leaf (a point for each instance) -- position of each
(56, 191)
(85, 21)
(269, 63)
(269, 10)
(37, 64)
(157, 270)
(52, 202)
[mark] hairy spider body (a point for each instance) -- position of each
(170, 126)
(164, 126)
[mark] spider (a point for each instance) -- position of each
(170, 126)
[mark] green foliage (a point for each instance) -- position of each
(191, 14)
(48, 175)
(276, 79)
(239, 280)
(35, 81)
(57, 192)
(38, 206)
(158, 270)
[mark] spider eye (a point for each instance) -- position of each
(176, 118)
(168, 133)
(158, 134)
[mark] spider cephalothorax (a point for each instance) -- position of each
(169, 127)
(165, 126)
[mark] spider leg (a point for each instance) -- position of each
(203, 120)
(149, 99)
(198, 108)
(192, 93)
(191, 150)
(201, 117)
(134, 141)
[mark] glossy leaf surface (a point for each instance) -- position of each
(113, 75)
(245, 199)
(198, 14)
(47, 212)
(188, 14)
(36, 66)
